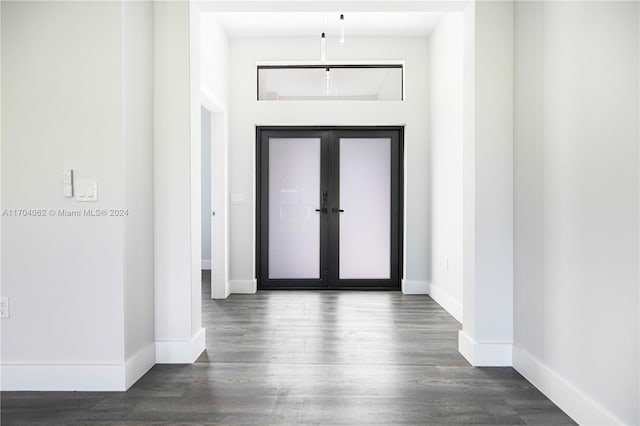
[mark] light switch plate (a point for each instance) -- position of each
(86, 190)
(67, 183)
(237, 198)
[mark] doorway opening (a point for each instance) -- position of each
(207, 190)
(329, 208)
(213, 158)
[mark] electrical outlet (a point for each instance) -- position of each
(4, 307)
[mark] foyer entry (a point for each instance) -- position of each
(329, 208)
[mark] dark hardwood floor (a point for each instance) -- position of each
(289, 358)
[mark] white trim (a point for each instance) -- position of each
(206, 264)
(576, 403)
(330, 63)
(334, 6)
(415, 287)
(351, 124)
(225, 290)
(485, 354)
(211, 102)
(84, 377)
(63, 377)
(444, 299)
(139, 363)
(243, 286)
(181, 351)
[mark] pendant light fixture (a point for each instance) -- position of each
(341, 29)
(327, 80)
(323, 48)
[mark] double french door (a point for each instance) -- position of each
(329, 208)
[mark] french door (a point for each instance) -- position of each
(329, 208)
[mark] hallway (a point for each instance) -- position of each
(310, 358)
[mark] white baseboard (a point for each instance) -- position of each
(139, 363)
(485, 354)
(89, 377)
(181, 351)
(220, 292)
(444, 299)
(415, 287)
(577, 404)
(63, 377)
(243, 286)
(206, 264)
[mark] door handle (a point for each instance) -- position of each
(335, 210)
(322, 210)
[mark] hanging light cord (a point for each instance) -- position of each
(323, 37)
(327, 81)
(323, 48)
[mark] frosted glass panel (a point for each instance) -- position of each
(294, 194)
(365, 197)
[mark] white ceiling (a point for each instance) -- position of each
(300, 24)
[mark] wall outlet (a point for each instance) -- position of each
(4, 307)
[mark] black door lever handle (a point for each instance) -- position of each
(322, 210)
(334, 210)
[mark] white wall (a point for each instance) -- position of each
(137, 120)
(246, 113)
(195, 154)
(1, 202)
(487, 335)
(446, 130)
(576, 206)
(76, 106)
(72, 281)
(214, 62)
(176, 178)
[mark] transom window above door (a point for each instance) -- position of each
(331, 82)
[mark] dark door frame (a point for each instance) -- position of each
(329, 248)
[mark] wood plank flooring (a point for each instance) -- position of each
(324, 358)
